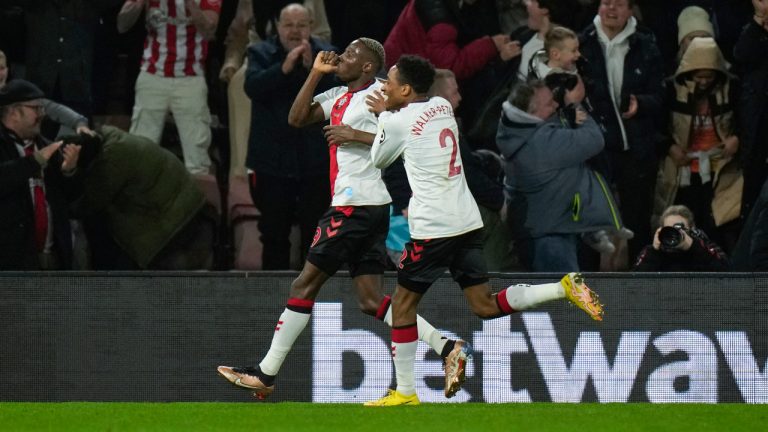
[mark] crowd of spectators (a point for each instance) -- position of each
(584, 123)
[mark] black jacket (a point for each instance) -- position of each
(643, 77)
(17, 220)
(751, 251)
(703, 256)
(275, 147)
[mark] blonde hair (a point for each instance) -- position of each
(556, 36)
(678, 210)
(3, 57)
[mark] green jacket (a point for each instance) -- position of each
(142, 189)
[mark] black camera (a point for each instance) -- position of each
(560, 83)
(670, 237)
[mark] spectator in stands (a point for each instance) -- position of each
(692, 22)
(34, 228)
(700, 170)
(626, 90)
(751, 251)
(290, 180)
(751, 53)
(481, 119)
(243, 32)
(679, 246)
(60, 46)
(140, 207)
(172, 72)
(553, 196)
(465, 39)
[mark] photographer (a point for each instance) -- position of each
(679, 246)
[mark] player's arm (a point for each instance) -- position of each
(304, 110)
(388, 145)
(344, 134)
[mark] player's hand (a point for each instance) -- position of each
(377, 102)
(339, 134)
(632, 110)
(71, 154)
(326, 62)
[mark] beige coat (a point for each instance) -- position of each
(727, 181)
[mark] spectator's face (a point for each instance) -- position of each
(704, 78)
(449, 89)
(28, 119)
(3, 71)
(294, 27)
(351, 61)
(671, 220)
(614, 14)
(567, 54)
(536, 14)
(543, 104)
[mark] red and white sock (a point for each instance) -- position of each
(290, 325)
(404, 343)
(427, 332)
(521, 296)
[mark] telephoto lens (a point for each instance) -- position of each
(670, 237)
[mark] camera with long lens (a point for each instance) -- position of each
(670, 237)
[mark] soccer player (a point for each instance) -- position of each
(355, 227)
(444, 222)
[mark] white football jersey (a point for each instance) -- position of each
(354, 179)
(427, 136)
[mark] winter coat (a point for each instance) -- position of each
(143, 191)
(550, 188)
(643, 76)
(275, 147)
(727, 181)
(430, 29)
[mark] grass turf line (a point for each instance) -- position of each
(166, 417)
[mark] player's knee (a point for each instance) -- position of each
(485, 310)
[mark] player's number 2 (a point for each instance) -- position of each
(446, 134)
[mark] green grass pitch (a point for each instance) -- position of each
(86, 416)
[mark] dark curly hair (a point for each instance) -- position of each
(417, 72)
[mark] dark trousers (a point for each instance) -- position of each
(283, 202)
(634, 184)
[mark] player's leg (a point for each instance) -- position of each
(318, 268)
(404, 343)
(520, 297)
(367, 270)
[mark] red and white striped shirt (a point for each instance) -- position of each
(174, 47)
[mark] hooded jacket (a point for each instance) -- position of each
(550, 188)
(703, 53)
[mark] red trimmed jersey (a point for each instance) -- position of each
(173, 46)
(354, 179)
(426, 135)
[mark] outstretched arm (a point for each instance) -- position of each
(128, 14)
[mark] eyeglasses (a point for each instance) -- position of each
(40, 109)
